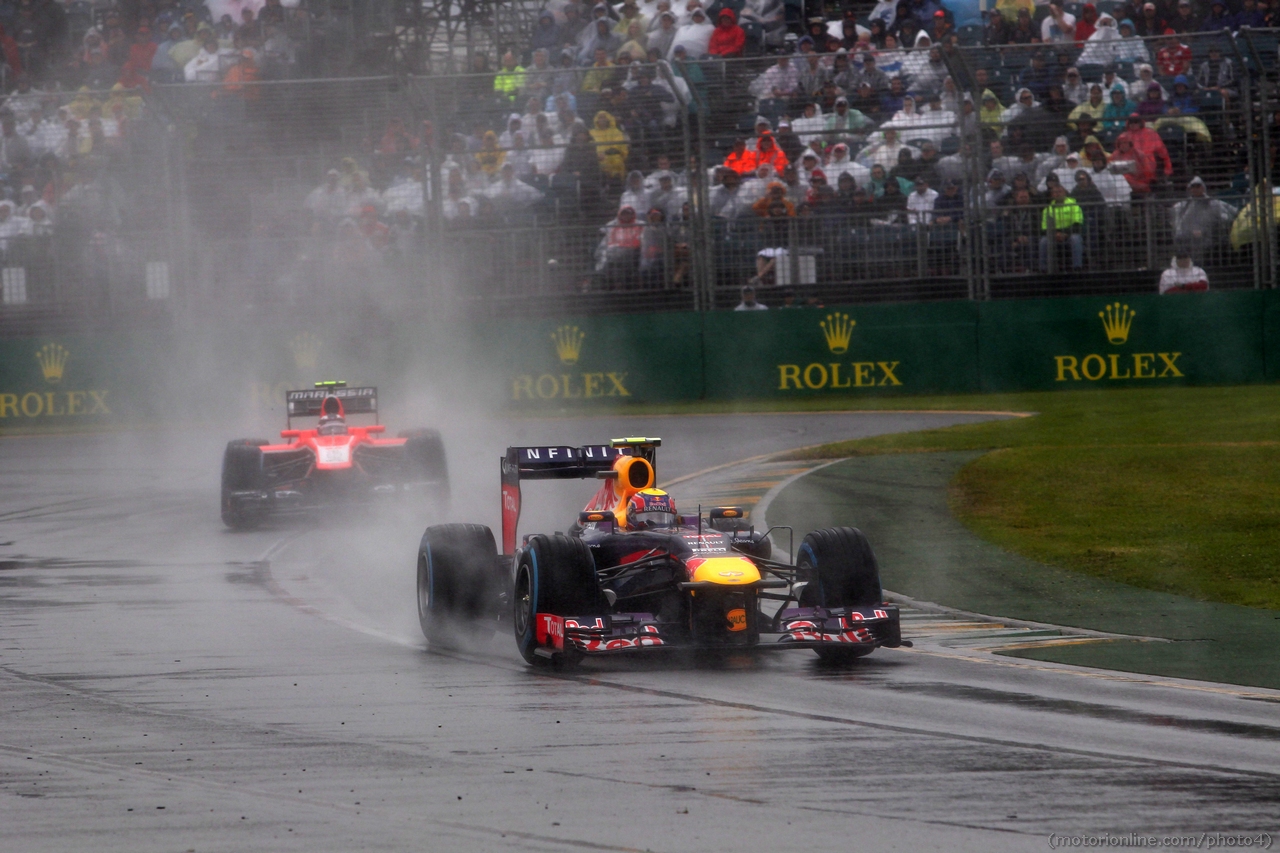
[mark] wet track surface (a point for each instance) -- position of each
(169, 685)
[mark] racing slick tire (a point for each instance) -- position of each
(424, 453)
(458, 584)
(555, 574)
(841, 571)
(241, 472)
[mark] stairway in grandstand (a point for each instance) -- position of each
(454, 29)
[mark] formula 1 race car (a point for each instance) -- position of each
(632, 575)
(330, 463)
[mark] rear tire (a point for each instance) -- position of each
(242, 472)
(841, 571)
(458, 584)
(556, 575)
(424, 453)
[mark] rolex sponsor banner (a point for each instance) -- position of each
(74, 381)
(1133, 341)
(571, 361)
(842, 350)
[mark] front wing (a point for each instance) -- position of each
(799, 628)
(293, 485)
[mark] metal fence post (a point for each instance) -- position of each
(1264, 208)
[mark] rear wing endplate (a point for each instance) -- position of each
(355, 401)
(559, 462)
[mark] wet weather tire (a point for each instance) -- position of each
(841, 571)
(556, 575)
(425, 455)
(242, 472)
(458, 584)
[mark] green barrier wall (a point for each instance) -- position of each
(910, 349)
(570, 362)
(1271, 333)
(1045, 344)
(956, 347)
(78, 381)
(587, 360)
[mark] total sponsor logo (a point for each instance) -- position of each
(53, 359)
(1117, 320)
(552, 631)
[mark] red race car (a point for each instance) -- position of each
(331, 463)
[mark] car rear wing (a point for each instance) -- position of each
(560, 462)
(355, 401)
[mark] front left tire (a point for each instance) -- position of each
(242, 472)
(555, 575)
(841, 571)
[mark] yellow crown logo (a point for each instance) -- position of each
(306, 350)
(838, 329)
(568, 341)
(53, 360)
(1116, 320)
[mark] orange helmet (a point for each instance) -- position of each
(651, 509)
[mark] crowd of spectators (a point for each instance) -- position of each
(882, 141)
(78, 78)
(1066, 140)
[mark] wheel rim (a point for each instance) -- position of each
(424, 588)
(524, 602)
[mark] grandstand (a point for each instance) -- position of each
(818, 161)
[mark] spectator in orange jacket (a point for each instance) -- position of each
(767, 151)
(728, 39)
(740, 159)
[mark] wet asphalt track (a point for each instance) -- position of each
(168, 685)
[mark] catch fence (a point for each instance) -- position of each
(212, 197)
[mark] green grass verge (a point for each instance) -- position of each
(1175, 490)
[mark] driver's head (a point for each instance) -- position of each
(331, 410)
(651, 509)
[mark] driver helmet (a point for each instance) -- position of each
(651, 509)
(331, 413)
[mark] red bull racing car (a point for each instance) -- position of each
(329, 463)
(633, 575)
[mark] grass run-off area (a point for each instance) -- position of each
(1176, 490)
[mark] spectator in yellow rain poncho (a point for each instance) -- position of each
(991, 110)
(611, 146)
(1242, 230)
(490, 157)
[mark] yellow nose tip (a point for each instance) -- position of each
(724, 570)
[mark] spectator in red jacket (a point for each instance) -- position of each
(1174, 57)
(1148, 142)
(1138, 168)
(728, 39)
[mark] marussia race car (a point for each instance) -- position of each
(330, 463)
(617, 584)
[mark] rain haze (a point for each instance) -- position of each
(245, 198)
